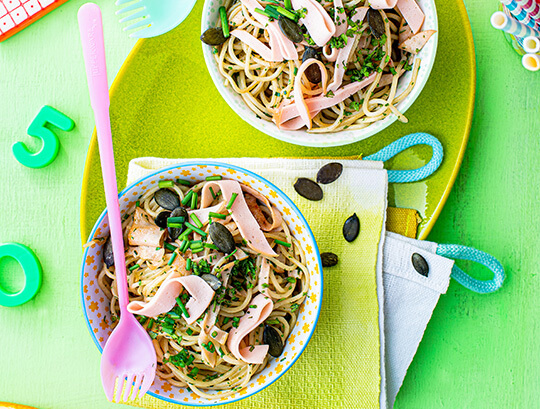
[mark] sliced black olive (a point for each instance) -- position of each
(291, 30)
(222, 238)
(108, 256)
(272, 338)
(173, 231)
(167, 199)
(213, 36)
(212, 281)
(396, 52)
(420, 264)
(375, 22)
(308, 188)
(329, 173)
(313, 72)
(351, 228)
(161, 219)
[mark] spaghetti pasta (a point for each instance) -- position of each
(197, 301)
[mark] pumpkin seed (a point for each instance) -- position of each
(108, 256)
(272, 338)
(375, 22)
(174, 232)
(420, 264)
(329, 259)
(308, 189)
(351, 228)
(167, 199)
(212, 281)
(291, 30)
(213, 36)
(313, 72)
(329, 173)
(161, 219)
(222, 238)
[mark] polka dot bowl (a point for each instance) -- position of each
(302, 137)
(96, 304)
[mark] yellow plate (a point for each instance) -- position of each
(164, 104)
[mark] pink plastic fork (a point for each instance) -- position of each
(129, 356)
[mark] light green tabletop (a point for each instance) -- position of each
(479, 351)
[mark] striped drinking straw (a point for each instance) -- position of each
(531, 45)
(531, 7)
(531, 62)
(520, 13)
(501, 21)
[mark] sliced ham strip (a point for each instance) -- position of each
(299, 101)
(261, 219)
(203, 214)
(383, 4)
(253, 354)
(257, 46)
(405, 31)
(330, 53)
(144, 231)
(340, 18)
(289, 113)
(411, 12)
(146, 253)
(165, 298)
(341, 63)
(319, 25)
(417, 42)
(246, 222)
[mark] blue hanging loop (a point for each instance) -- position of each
(467, 253)
(413, 175)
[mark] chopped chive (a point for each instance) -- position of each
(283, 243)
(214, 334)
(187, 197)
(291, 279)
(196, 229)
(150, 323)
(264, 13)
(184, 245)
(212, 192)
(224, 26)
(286, 13)
(231, 202)
(165, 183)
(137, 203)
(188, 267)
(179, 219)
(189, 331)
(221, 353)
(195, 243)
(236, 320)
(171, 247)
(135, 267)
(295, 71)
(190, 359)
(197, 249)
(216, 177)
(171, 260)
(152, 334)
(194, 200)
(175, 225)
(210, 246)
(194, 371)
(273, 322)
(167, 330)
(217, 215)
(183, 182)
(142, 319)
(182, 307)
(184, 234)
(226, 320)
(272, 12)
(288, 4)
(196, 220)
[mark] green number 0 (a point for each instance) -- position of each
(51, 144)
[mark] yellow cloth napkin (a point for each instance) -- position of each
(341, 367)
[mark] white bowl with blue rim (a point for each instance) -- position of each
(96, 304)
(210, 18)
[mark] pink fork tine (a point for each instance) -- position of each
(138, 382)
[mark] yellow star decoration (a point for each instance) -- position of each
(185, 173)
(313, 297)
(243, 392)
(166, 387)
(292, 338)
(299, 229)
(194, 396)
(93, 306)
(203, 166)
(90, 260)
(231, 171)
(309, 249)
(305, 327)
(261, 379)
(287, 211)
(279, 368)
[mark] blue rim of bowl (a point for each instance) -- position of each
(284, 197)
(289, 136)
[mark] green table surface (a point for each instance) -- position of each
(479, 351)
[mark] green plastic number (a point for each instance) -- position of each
(51, 144)
(32, 272)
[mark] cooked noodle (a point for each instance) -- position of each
(177, 344)
(266, 86)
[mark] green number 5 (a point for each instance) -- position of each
(51, 144)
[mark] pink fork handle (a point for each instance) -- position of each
(91, 28)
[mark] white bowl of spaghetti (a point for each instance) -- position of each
(213, 312)
(365, 77)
